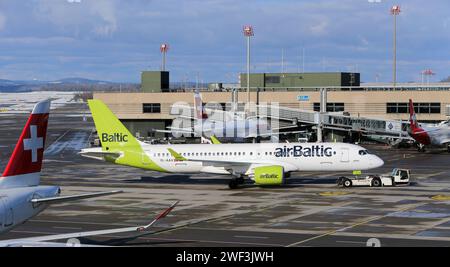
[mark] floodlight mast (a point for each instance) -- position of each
(248, 32)
(395, 11)
(164, 48)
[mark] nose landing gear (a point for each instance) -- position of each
(421, 148)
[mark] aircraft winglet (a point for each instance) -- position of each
(176, 155)
(159, 217)
(214, 140)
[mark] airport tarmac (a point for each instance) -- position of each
(309, 211)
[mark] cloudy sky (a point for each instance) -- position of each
(116, 39)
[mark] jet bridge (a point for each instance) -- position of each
(337, 122)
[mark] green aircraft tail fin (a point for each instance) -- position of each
(115, 137)
(112, 133)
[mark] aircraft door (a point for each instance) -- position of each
(2, 213)
(345, 155)
(6, 213)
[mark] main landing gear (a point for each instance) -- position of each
(236, 181)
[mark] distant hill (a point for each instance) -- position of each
(66, 84)
(8, 82)
(81, 81)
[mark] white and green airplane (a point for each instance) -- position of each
(264, 163)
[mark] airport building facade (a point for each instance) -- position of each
(142, 112)
(152, 108)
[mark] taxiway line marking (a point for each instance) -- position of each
(251, 236)
(354, 225)
(67, 228)
(350, 242)
(57, 140)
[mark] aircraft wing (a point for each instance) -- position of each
(396, 137)
(273, 133)
(51, 200)
(233, 163)
(97, 153)
(445, 141)
(427, 131)
(175, 130)
(43, 240)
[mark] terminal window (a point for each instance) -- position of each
(331, 107)
(420, 108)
(151, 108)
(272, 79)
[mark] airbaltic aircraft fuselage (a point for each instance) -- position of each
(292, 156)
(257, 161)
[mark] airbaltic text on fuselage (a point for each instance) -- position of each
(300, 151)
(117, 137)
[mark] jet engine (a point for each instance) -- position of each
(269, 175)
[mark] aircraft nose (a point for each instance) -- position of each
(378, 162)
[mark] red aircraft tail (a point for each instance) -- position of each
(200, 113)
(24, 166)
(412, 116)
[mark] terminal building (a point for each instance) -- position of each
(293, 92)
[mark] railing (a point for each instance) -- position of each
(363, 87)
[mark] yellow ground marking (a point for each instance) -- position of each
(333, 193)
(441, 197)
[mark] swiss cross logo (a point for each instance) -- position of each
(34, 143)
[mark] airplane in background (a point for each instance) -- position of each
(264, 163)
(427, 134)
(225, 125)
(21, 195)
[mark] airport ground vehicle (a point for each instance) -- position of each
(397, 177)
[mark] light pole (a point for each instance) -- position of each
(164, 48)
(248, 32)
(395, 11)
(427, 73)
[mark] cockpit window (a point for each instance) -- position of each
(364, 152)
